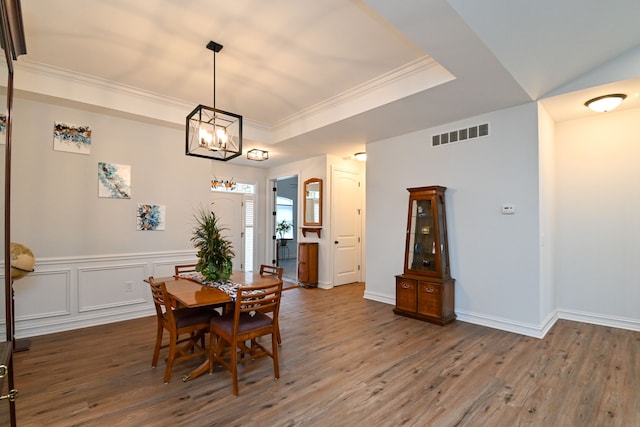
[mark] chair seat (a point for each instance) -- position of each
(247, 322)
(191, 316)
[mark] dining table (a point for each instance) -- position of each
(189, 291)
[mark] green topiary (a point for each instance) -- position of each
(215, 253)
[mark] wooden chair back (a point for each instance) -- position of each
(184, 268)
(255, 314)
(192, 322)
(271, 270)
(162, 301)
(262, 298)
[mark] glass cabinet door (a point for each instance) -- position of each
(427, 252)
(422, 243)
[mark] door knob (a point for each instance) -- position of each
(336, 242)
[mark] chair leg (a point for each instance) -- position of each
(156, 351)
(274, 351)
(278, 335)
(234, 369)
(171, 357)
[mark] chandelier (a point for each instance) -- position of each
(213, 133)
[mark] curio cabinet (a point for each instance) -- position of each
(425, 290)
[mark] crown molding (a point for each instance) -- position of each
(414, 77)
(31, 69)
(57, 82)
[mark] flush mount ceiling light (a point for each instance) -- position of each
(362, 156)
(212, 133)
(257, 155)
(605, 103)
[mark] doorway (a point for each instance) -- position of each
(346, 221)
(235, 212)
(286, 212)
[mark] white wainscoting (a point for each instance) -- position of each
(76, 292)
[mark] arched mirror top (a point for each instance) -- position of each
(313, 202)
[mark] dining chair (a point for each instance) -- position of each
(272, 270)
(193, 322)
(184, 268)
(255, 314)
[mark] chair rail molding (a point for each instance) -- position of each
(66, 293)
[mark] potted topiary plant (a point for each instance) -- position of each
(281, 228)
(215, 253)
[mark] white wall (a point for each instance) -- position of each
(598, 226)
(318, 167)
(547, 198)
(571, 249)
(495, 258)
(87, 248)
(56, 209)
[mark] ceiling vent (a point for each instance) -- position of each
(460, 135)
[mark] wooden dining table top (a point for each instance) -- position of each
(190, 293)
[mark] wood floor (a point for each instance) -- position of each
(345, 361)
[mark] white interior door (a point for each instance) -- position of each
(228, 209)
(346, 224)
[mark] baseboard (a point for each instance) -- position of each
(69, 324)
(375, 296)
(528, 329)
(599, 319)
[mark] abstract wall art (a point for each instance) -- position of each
(3, 126)
(150, 217)
(114, 180)
(71, 138)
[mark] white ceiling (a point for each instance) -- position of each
(329, 76)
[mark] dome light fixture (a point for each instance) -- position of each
(361, 156)
(605, 103)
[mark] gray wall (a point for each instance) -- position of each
(90, 259)
(56, 209)
(494, 258)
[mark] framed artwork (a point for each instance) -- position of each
(71, 138)
(3, 126)
(114, 180)
(150, 217)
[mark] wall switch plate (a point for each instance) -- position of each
(508, 209)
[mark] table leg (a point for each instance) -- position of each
(204, 367)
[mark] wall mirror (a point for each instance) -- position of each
(313, 202)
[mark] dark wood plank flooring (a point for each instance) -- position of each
(345, 361)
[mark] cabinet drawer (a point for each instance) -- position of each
(406, 294)
(430, 299)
